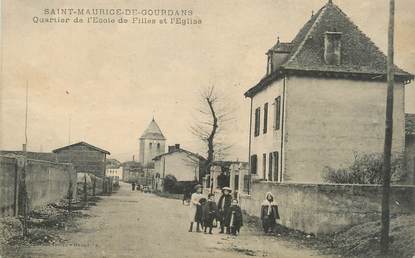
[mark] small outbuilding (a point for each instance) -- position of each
(182, 164)
(85, 158)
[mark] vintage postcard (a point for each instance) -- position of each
(195, 128)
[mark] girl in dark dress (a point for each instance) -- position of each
(269, 213)
(210, 213)
(224, 205)
(199, 213)
(235, 218)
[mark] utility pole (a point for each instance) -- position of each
(387, 152)
(69, 129)
(24, 171)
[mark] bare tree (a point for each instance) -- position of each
(212, 117)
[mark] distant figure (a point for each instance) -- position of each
(194, 202)
(133, 186)
(224, 205)
(269, 213)
(222, 180)
(210, 213)
(187, 193)
(235, 218)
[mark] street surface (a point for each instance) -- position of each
(135, 224)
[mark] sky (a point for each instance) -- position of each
(104, 83)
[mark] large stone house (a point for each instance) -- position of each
(321, 100)
(85, 158)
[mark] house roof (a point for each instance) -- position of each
(131, 163)
(282, 47)
(48, 156)
(410, 124)
(84, 144)
(360, 57)
(180, 150)
(153, 132)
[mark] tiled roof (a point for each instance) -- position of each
(189, 153)
(48, 156)
(284, 47)
(360, 57)
(84, 144)
(410, 124)
(153, 132)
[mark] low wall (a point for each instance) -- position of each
(46, 182)
(326, 208)
(8, 185)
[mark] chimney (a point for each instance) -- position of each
(173, 148)
(332, 48)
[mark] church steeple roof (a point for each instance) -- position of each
(153, 132)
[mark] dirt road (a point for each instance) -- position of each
(133, 224)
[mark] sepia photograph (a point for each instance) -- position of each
(208, 129)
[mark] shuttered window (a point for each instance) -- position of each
(254, 164)
(257, 121)
(265, 118)
(277, 122)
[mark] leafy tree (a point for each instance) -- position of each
(365, 169)
(170, 182)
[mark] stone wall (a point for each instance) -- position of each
(326, 208)
(46, 182)
(8, 174)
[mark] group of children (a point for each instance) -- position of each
(205, 212)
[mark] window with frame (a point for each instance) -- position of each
(257, 121)
(276, 166)
(264, 165)
(151, 145)
(254, 164)
(277, 119)
(270, 166)
(265, 118)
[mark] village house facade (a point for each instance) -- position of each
(182, 164)
(85, 158)
(152, 143)
(322, 100)
(114, 172)
(131, 170)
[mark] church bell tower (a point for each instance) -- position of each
(152, 144)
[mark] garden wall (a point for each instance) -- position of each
(8, 186)
(326, 208)
(46, 182)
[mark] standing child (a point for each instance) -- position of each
(199, 213)
(210, 213)
(269, 213)
(224, 205)
(194, 203)
(235, 218)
